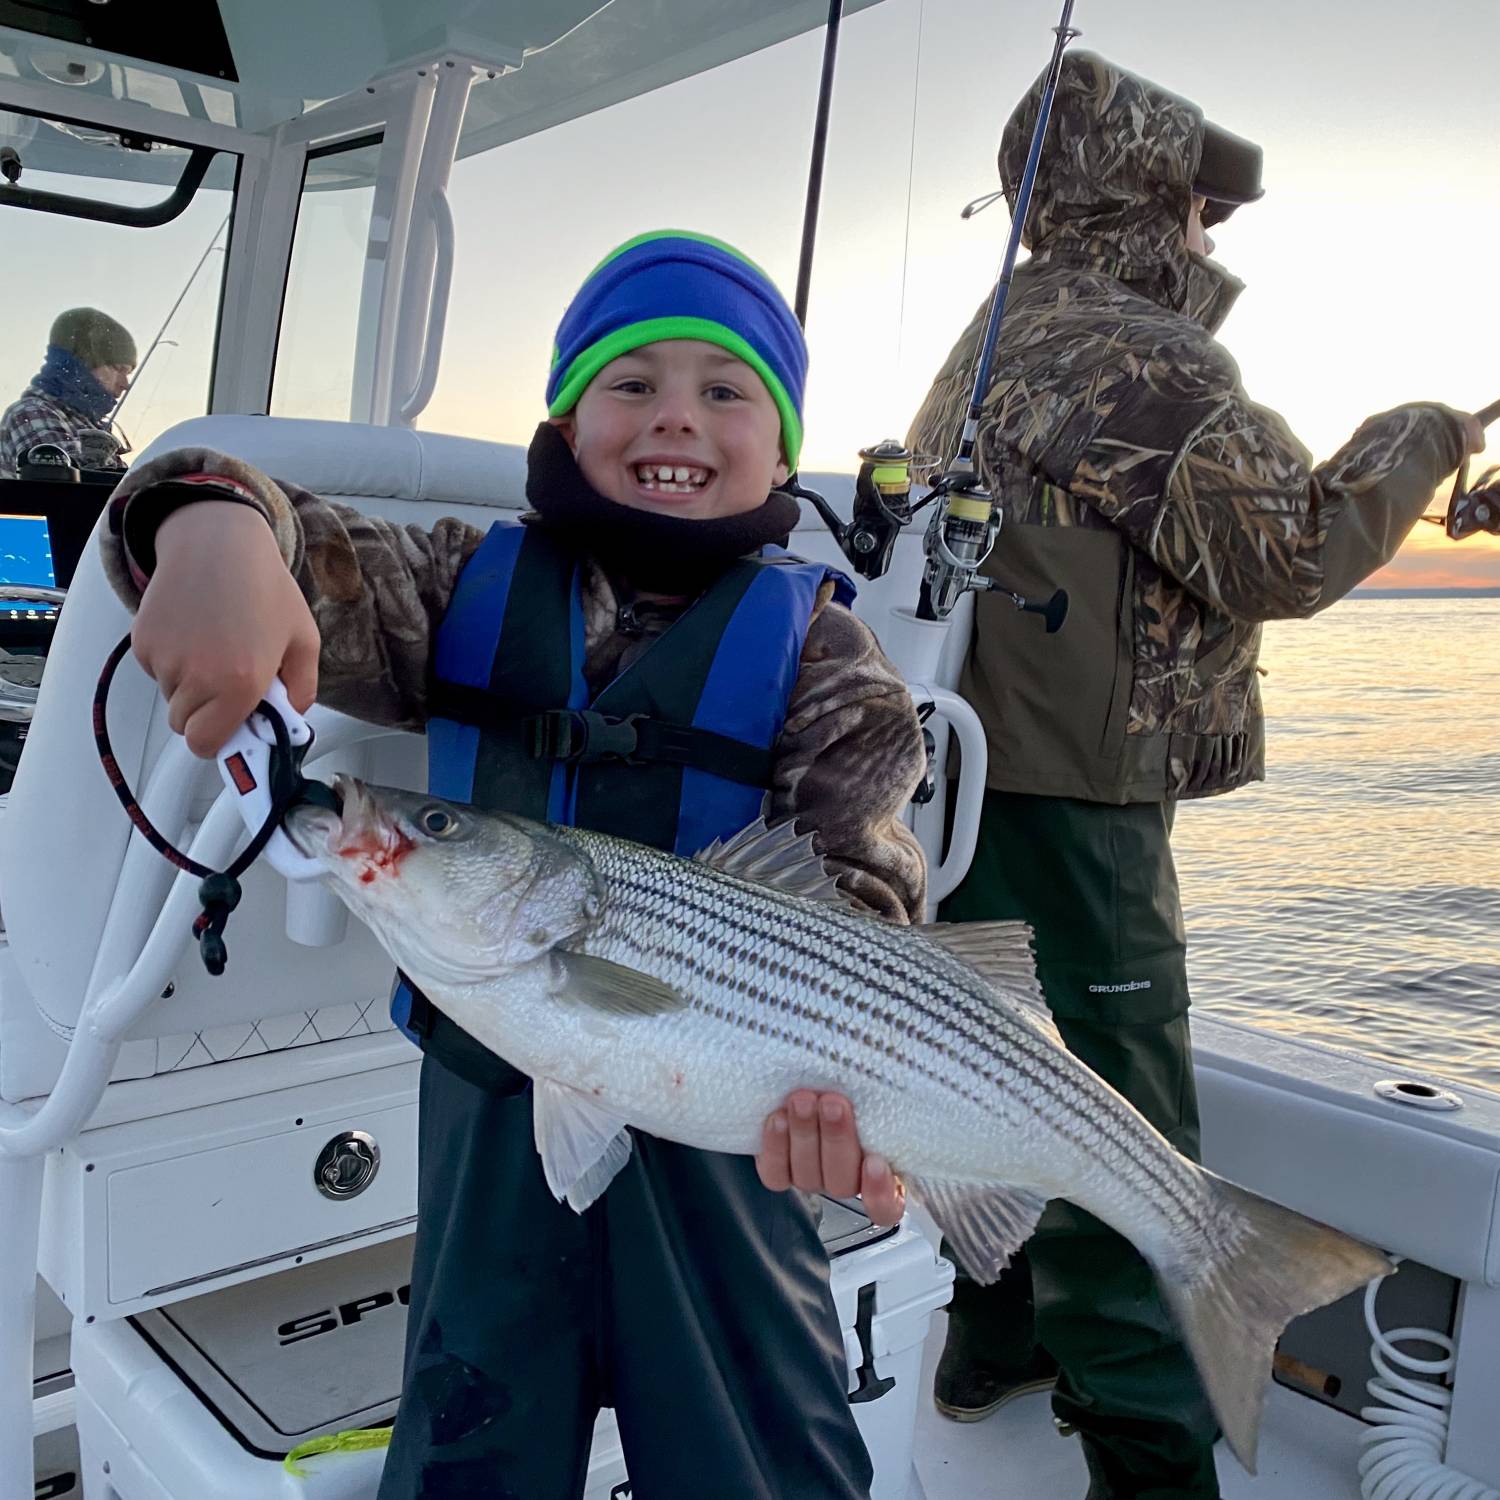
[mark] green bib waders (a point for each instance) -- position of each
(1098, 886)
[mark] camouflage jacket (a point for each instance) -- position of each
(39, 418)
(378, 592)
(1133, 470)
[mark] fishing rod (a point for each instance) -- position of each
(140, 369)
(884, 477)
(819, 156)
(884, 481)
(963, 528)
(1476, 509)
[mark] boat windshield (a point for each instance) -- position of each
(135, 228)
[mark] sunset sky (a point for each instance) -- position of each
(1370, 264)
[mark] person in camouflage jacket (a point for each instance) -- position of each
(655, 476)
(1133, 471)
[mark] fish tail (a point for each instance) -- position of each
(1282, 1264)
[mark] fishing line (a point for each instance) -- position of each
(911, 165)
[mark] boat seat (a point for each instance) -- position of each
(80, 891)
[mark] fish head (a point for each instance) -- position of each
(455, 895)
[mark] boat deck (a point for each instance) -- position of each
(1306, 1449)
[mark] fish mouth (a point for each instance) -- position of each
(311, 828)
(361, 830)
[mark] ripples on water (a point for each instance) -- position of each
(1354, 896)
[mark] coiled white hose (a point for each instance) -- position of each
(1403, 1457)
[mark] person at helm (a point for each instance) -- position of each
(89, 360)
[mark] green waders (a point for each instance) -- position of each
(1098, 885)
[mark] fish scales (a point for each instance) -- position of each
(635, 945)
(686, 929)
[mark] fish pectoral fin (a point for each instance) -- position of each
(1001, 953)
(582, 1145)
(985, 1223)
(612, 987)
(778, 857)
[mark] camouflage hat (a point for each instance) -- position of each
(94, 337)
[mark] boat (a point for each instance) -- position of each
(208, 1185)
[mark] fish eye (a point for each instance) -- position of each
(438, 822)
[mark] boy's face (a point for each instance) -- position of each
(686, 408)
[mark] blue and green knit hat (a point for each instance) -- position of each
(672, 284)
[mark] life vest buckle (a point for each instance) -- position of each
(581, 734)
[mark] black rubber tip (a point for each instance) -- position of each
(215, 954)
(219, 890)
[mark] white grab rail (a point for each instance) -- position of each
(947, 867)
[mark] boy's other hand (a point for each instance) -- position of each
(812, 1143)
(220, 618)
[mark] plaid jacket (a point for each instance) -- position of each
(39, 418)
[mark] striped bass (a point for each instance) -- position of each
(688, 997)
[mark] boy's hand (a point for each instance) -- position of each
(220, 618)
(811, 1143)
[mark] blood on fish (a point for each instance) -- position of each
(382, 855)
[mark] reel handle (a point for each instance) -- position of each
(1053, 611)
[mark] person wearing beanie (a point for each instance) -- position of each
(88, 364)
(1133, 471)
(647, 583)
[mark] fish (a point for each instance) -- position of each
(687, 997)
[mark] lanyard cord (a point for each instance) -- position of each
(219, 891)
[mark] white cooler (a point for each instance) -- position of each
(207, 1396)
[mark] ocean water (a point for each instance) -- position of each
(1354, 896)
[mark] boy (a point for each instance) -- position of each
(635, 604)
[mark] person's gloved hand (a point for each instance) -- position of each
(812, 1143)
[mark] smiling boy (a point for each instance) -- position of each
(641, 658)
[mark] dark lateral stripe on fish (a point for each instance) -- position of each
(725, 914)
(1052, 1087)
(759, 1026)
(757, 1020)
(1069, 1110)
(906, 1000)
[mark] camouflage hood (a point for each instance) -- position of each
(1134, 472)
(1114, 186)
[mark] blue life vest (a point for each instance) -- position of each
(675, 752)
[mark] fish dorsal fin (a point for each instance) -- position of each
(582, 1145)
(611, 987)
(985, 1223)
(778, 857)
(1001, 953)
